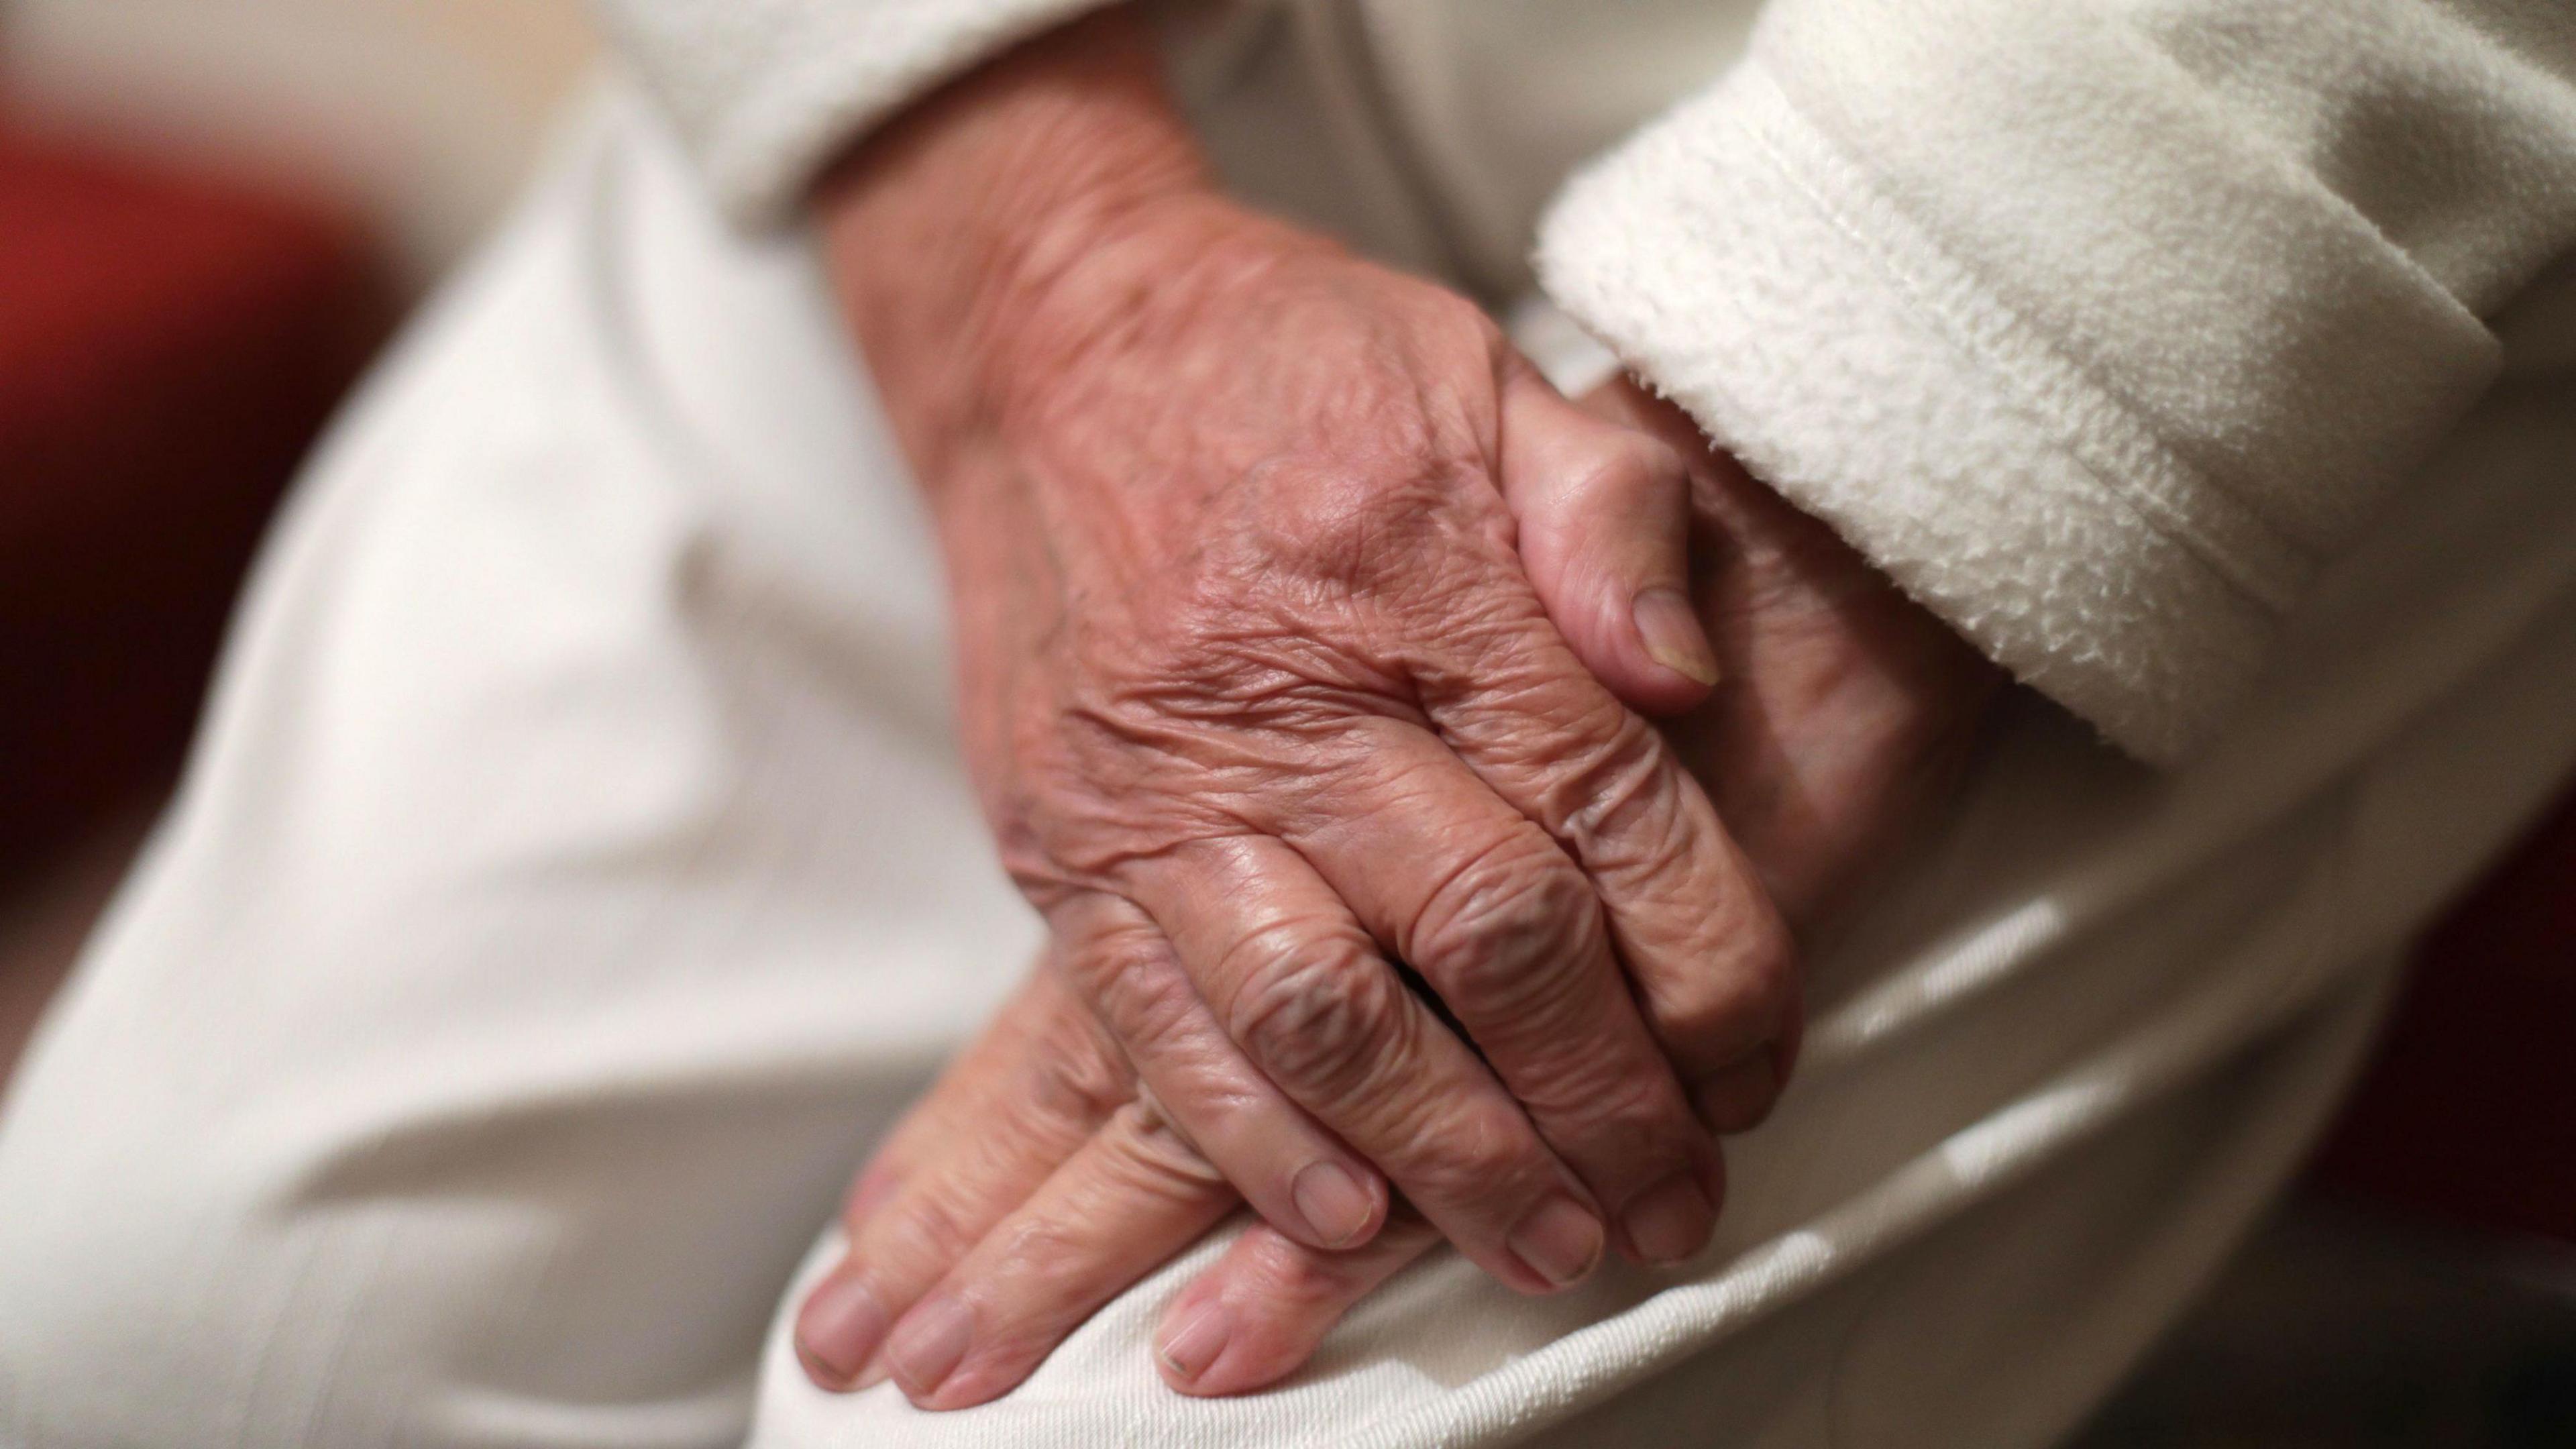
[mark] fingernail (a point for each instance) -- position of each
(1332, 1202)
(1671, 1220)
(1192, 1346)
(1560, 1240)
(1670, 628)
(840, 1324)
(929, 1341)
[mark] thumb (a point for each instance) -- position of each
(1604, 515)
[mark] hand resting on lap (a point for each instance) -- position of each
(1259, 692)
(1037, 1180)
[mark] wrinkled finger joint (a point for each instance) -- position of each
(1321, 1016)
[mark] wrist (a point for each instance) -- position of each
(947, 233)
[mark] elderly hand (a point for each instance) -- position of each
(1260, 695)
(1036, 1181)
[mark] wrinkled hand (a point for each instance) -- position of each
(1036, 1181)
(1846, 708)
(1260, 693)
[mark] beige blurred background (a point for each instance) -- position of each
(423, 113)
(414, 120)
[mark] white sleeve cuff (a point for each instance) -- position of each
(1746, 268)
(766, 92)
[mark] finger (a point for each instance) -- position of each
(1041, 1066)
(1603, 516)
(1686, 912)
(1299, 1177)
(1035, 1087)
(1511, 936)
(1740, 1098)
(1257, 1314)
(1132, 1197)
(1299, 983)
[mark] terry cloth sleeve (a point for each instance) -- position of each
(766, 92)
(2098, 324)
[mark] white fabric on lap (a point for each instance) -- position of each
(576, 875)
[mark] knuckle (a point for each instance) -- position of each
(1473, 1152)
(1457, 316)
(1619, 1110)
(1342, 523)
(1752, 999)
(1031, 1247)
(1075, 1077)
(1636, 1120)
(1292, 1277)
(1630, 466)
(1658, 459)
(1149, 1142)
(1765, 969)
(1319, 1015)
(1617, 798)
(1502, 938)
(933, 1228)
(1140, 988)
(1408, 514)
